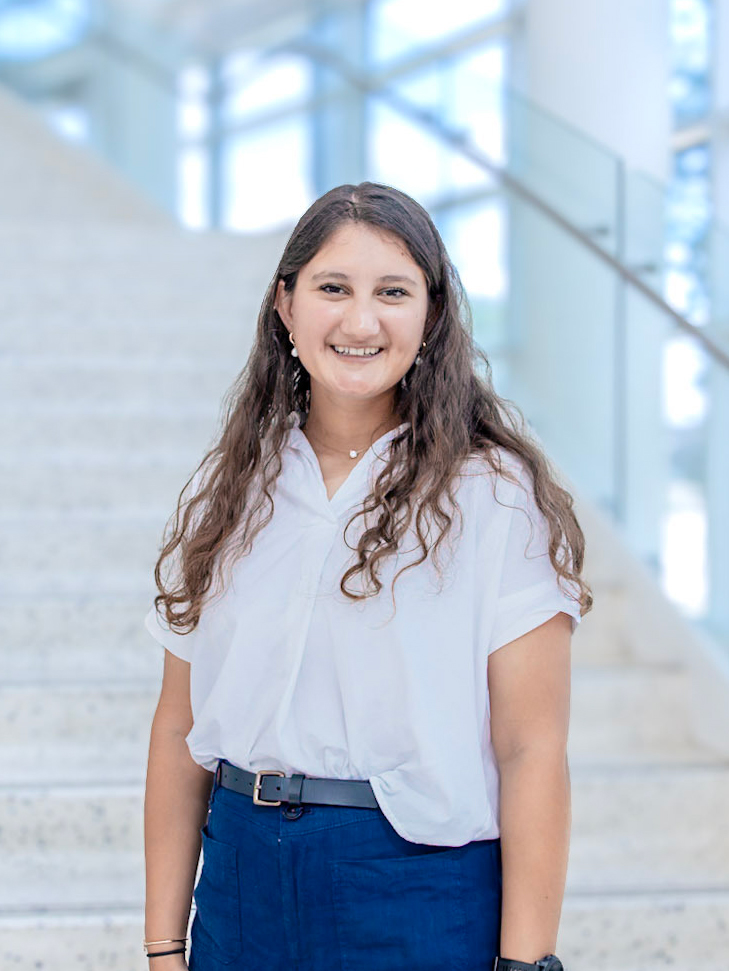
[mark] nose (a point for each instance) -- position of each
(360, 321)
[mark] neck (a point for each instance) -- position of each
(336, 429)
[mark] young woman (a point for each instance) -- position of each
(364, 711)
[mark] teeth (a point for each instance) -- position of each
(357, 351)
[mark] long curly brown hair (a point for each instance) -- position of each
(452, 412)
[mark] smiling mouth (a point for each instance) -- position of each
(355, 357)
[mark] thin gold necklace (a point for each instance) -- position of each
(353, 452)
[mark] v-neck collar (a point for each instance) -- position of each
(378, 449)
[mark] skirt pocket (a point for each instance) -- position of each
(401, 912)
(216, 928)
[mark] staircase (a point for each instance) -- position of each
(121, 334)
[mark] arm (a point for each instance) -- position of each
(529, 685)
(175, 808)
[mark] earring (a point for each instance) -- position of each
(418, 359)
(294, 352)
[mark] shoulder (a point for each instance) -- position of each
(489, 488)
(495, 478)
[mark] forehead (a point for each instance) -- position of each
(355, 240)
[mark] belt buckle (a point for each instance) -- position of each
(257, 788)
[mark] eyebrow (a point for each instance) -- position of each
(389, 278)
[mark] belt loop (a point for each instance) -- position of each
(297, 782)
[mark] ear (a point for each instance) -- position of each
(282, 304)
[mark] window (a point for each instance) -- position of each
(34, 29)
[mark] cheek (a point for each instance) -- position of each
(406, 328)
(322, 316)
(316, 321)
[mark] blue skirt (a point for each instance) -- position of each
(332, 888)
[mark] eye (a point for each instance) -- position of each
(397, 291)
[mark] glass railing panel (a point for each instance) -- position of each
(390, 115)
(559, 362)
(571, 173)
(716, 477)
(644, 220)
(568, 171)
(395, 141)
(632, 408)
(676, 412)
(674, 247)
(474, 230)
(717, 280)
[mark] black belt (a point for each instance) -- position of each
(271, 787)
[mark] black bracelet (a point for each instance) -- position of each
(158, 954)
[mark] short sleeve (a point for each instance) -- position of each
(530, 589)
(181, 645)
(177, 643)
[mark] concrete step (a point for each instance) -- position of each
(65, 846)
(200, 278)
(188, 327)
(69, 456)
(621, 716)
(604, 932)
(600, 638)
(64, 319)
(49, 545)
(71, 480)
(90, 733)
(95, 282)
(111, 585)
(94, 380)
(649, 828)
(644, 931)
(83, 637)
(112, 427)
(131, 290)
(114, 246)
(632, 713)
(71, 846)
(92, 260)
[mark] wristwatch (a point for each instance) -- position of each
(550, 962)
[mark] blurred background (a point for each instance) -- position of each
(154, 158)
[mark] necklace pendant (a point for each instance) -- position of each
(352, 454)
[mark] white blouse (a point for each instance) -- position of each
(286, 673)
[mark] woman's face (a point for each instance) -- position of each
(362, 290)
